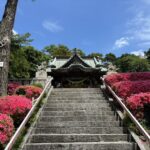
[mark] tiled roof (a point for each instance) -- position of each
(59, 62)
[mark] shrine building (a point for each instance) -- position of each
(76, 71)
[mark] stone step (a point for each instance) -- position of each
(51, 101)
(76, 98)
(80, 130)
(81, 146)
(98, 109)
(76, 95)
(75, 113)
(64, 105)
(75, 89)
(76, 92)
(76, 118)
(67, 138)
(42, 124)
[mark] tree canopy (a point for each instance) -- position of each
(96, 55)
(110, 57)
(55, 51)
(61, 51)
(132, 63)
(24, 59)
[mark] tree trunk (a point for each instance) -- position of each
(6, 27)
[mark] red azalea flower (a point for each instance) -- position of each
(6, 128)
(134, 76)
(12, 87)
(15, 106)
(137, 102)
(29, 91)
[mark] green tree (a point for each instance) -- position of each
(19, 65)
(35, 58)
(96, 55)
(132, 63)
(55, 51)
(110, 57)
(140, 64)
(20, 40)
(24, 58)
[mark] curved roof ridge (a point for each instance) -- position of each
(71, 58)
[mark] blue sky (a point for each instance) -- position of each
(117, 26)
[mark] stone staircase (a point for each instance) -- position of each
(78, 119)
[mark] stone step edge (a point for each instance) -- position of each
(39, 126)
(79, 116)
(101, 103)
(84, 122)
(84, 143)
(81, 111)
(63, 128)
(76, 134)
(107, 116)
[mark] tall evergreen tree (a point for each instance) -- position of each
(6, 27)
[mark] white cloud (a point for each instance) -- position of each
(52, 26)
(122, 42)
(15, 32)
(138, 53)
(137, 31)
(139, 27)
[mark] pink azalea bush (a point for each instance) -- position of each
(15, 106)
(137, 102)
(134, 76)
(12, 87)
(29, 91)
(6, 128)
(134, 89)
(125, 89)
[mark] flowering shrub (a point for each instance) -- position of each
(134, 76)
(29, 91)
(6, 128)
(12, 87)
(137, 102)
(15, 106)
(125, 89)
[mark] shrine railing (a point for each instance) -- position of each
(129, 114)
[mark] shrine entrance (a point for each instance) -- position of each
(76, 72)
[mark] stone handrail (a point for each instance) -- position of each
(134, 120)
(26, 119)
